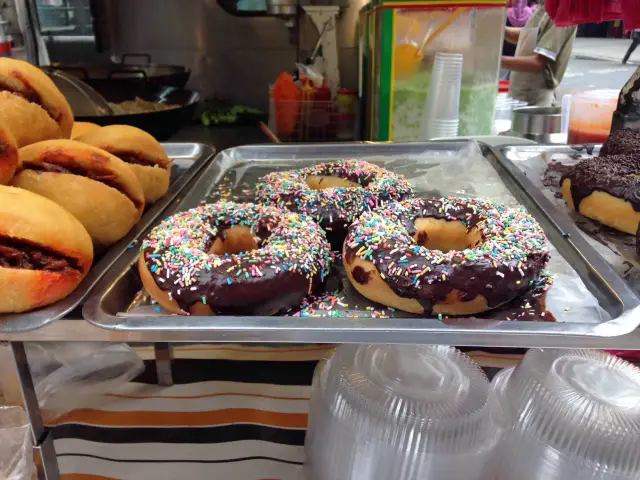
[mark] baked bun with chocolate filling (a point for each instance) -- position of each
(140, 151)
(8, 155)
(82, 128)
(93, 185)
(606, 189)
(31, 105)
(44, 251)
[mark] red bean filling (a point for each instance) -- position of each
(18, 253)
(29, 94)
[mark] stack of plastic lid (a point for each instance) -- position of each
(574, 414)
(400, 412)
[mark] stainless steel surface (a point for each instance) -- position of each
(541, 124)
(42, 441)
(115, 292)
(164, 356)
(48, 461)
(28, 391)
(282, 8)
(188, 160)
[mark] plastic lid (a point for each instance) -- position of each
(585, 404)
(416, 399)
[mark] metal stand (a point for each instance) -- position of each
(164, 356)
(47, 463)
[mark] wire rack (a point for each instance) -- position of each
(304, 120)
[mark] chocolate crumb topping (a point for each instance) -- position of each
(624, 141)
(617, 175)
(23, 254)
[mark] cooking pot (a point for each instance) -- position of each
(540, 124)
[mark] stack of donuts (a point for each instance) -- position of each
(607, 188)
(61, 198)
(446, 256)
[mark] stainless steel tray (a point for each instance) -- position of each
(113, 296)
(187, 160)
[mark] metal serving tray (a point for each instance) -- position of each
(187, 160)
(112, 298)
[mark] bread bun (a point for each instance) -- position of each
(82, 128)
(8, 155)
(44, 251)
(34, 86)
(93, 185)
(28, 122)
(140, 151)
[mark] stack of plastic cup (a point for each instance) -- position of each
(573, 414)
(381, 412)
(440, 116)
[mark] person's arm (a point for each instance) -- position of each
(529, 64)
(511, 34)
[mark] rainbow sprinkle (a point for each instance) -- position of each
(177, 251)
(337, 204)
(511, 243)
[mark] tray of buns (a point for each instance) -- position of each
(176, 291)
(548, 167)
(109, 237)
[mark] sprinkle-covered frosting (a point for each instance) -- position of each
(293, 258)
(507, 261)
(336, 207)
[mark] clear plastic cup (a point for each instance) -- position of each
(574, 414)
(400, 412)
(443, 101)
(443, 128)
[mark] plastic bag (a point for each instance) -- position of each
(16, 454)
(73, 375)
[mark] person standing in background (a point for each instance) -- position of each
(538, 67)
(635, 41)
(518, 14)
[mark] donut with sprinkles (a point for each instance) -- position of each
(333, 193)
(234, 258)
(447, 256)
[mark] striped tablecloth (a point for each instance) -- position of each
(234, 412)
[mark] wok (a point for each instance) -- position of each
(161, 124)
(114, 77)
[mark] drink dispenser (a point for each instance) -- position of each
(398, 43)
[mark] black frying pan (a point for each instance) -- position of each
(106, 77)
(161, 124)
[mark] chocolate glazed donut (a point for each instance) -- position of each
(234, 258)
(44, 251)
(334, 193)
(93, 185)
(445, 256)
(606, 189)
